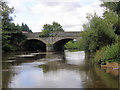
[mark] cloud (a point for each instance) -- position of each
(51, 4)
(71, 14)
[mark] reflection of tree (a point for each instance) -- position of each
(97, 78)
(50, 66)
(19, 60)
(7, 67)
(53, 65)
(111, 81)
(56, 65)
(7, 74)
(45, 68)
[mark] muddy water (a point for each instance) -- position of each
(54, 70)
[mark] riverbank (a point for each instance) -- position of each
(113, 65)
(112, 68)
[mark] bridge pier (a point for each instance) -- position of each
(49, 48)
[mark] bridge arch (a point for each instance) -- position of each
(59, 44)
(56, 41)
(33, 45)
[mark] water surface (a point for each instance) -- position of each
(54, 70)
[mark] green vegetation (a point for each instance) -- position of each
(98, 33)
(101, 35)
(49, 29)
(24, 27)
(12, 35)
(110, 53)
(74, 45)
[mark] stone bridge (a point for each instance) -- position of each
(56, 40)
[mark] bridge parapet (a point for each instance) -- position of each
(32, 35)
(54, 34)
(64, 34)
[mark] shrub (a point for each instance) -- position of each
(108, 54)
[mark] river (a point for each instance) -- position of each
(54, 70)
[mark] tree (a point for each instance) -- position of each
(44, 33)
(12, 35)
(6, 18)
(6, 21)
(25, 28)
(115, 8)
(97, 33)
(47, 29)
(56, 27)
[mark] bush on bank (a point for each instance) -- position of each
(108, 54)
(71, 45)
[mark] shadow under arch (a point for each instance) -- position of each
(33, 45)
(59, 45)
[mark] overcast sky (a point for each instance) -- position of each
(71, 14)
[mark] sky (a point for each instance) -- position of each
(71, 14)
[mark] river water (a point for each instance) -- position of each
(54, 70)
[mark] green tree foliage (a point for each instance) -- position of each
(11, 34)
(56, 27)
(6, 19)
(45, 33)
(115, 8)
(101, 34)
(0, 26)
(47, 29)
(71, 45)
(25, 28)
(97, 33)
(110, 53)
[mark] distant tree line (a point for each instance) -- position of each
(12, 35)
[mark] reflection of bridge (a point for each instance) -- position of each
(56, 40)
